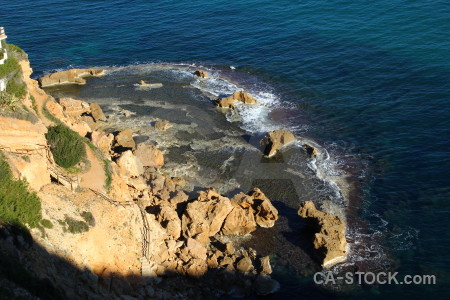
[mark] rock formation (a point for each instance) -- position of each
(97, 112)
(228, 102)
(201, 73)
(149, 155)
(72, 76)
(329, 238)
(125, 139)
(275, 140)
(312, 152)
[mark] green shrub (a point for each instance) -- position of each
(18, 206)
(89, 218)
(33, 102)
(66, 145)
(47, 223)
(10, 66)
(75, 226)
(17, 88)
(8, 101)
(16, 51)
(108, 173)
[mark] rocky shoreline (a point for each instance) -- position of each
(183, 236)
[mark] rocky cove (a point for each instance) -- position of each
(183, 202)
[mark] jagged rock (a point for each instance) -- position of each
(266, 214)
(264, 285)
(129, 165)
(162, 125)
(56, 110)
(228, 248)
(212, 261)
(102, 141)
(179, 197)
(244, 265)
(275, 140)
(81, 128)
(74, 108)
(89, 121)
(226, 260)
(204, 216)
(310, 150)
(125, 139)
(329, 238)
(266, 268)
(72, 76)
(97, 112)
(149, 156)
(239, 221)
(201, 73)
(196, 249)
(119, 189)
(228, 102)
(179, 181)
(196, 267)
(169, 219)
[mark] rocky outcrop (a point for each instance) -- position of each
(201, 73)
(149, 156)
(74, 108)
(129, 165)
(162, 125)
(97, 112)
(249, 211)
(204, 216)
(312, 152)
(228, 102)
(102, 141)
(275, 140)
(72, 76)
(125, 139)
(329, 237)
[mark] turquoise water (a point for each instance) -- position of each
(370, 81)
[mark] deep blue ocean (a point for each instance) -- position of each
(369, 78)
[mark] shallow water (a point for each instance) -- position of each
(368, 81)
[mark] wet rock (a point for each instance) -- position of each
(149, 155)
(228, 102)
(201, 73)
(329, 239)
(204, 216)
(244, 265)
(72, 76)
(129, 165)
(312, 152)
(97, 112)
(162, 125)
(275, 140)
(265, 267)
(264, 285)
(125, 139)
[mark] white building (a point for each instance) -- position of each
(3, 57)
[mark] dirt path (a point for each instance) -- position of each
(94, 178)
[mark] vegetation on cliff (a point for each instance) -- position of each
(18, 206)
(13, 72)
(66, 145)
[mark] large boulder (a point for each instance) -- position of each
(74, 108)
(275, 140)
(97, 112)
(72, 76)
(125, 139)
(149, 155)
(57, 111)
(228, 102)
(102, 141)
(168, 218)
(129, 165)
(201, 73)
(204, 216)
(329, 237)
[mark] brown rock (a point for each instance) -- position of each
(162, 125)
(89, 121)
(196, 267)
(266, 214)
(149, 156)
(265, 265)
(72, 76)
(212, 261)
(74, 108)
(244, 265)
(239, 221)
(81, 128)
(169, 220)
(226, 260)
(229, 249)
(228, 102)
(329, 238)
(204, 216)
(196, 249)
(129, 165)
(179, 197)
(125, 139)
(179, 181)
(201, 73)
(310, 150)
(275, 140)
(97, 112)
(56, 110)
(102, 141)
(119, 189)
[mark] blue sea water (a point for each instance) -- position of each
(369, 78)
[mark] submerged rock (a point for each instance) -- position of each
(201, 73)
(275, 140)
(329, 238)
(72, 76)
(162, 125)
(228, 102)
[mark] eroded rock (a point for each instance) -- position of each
(228, 102)
(72, 76)
(125, 139)
(129, 165)
(97, 112)
(149, 155)
(201, 73)
(275, 140)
